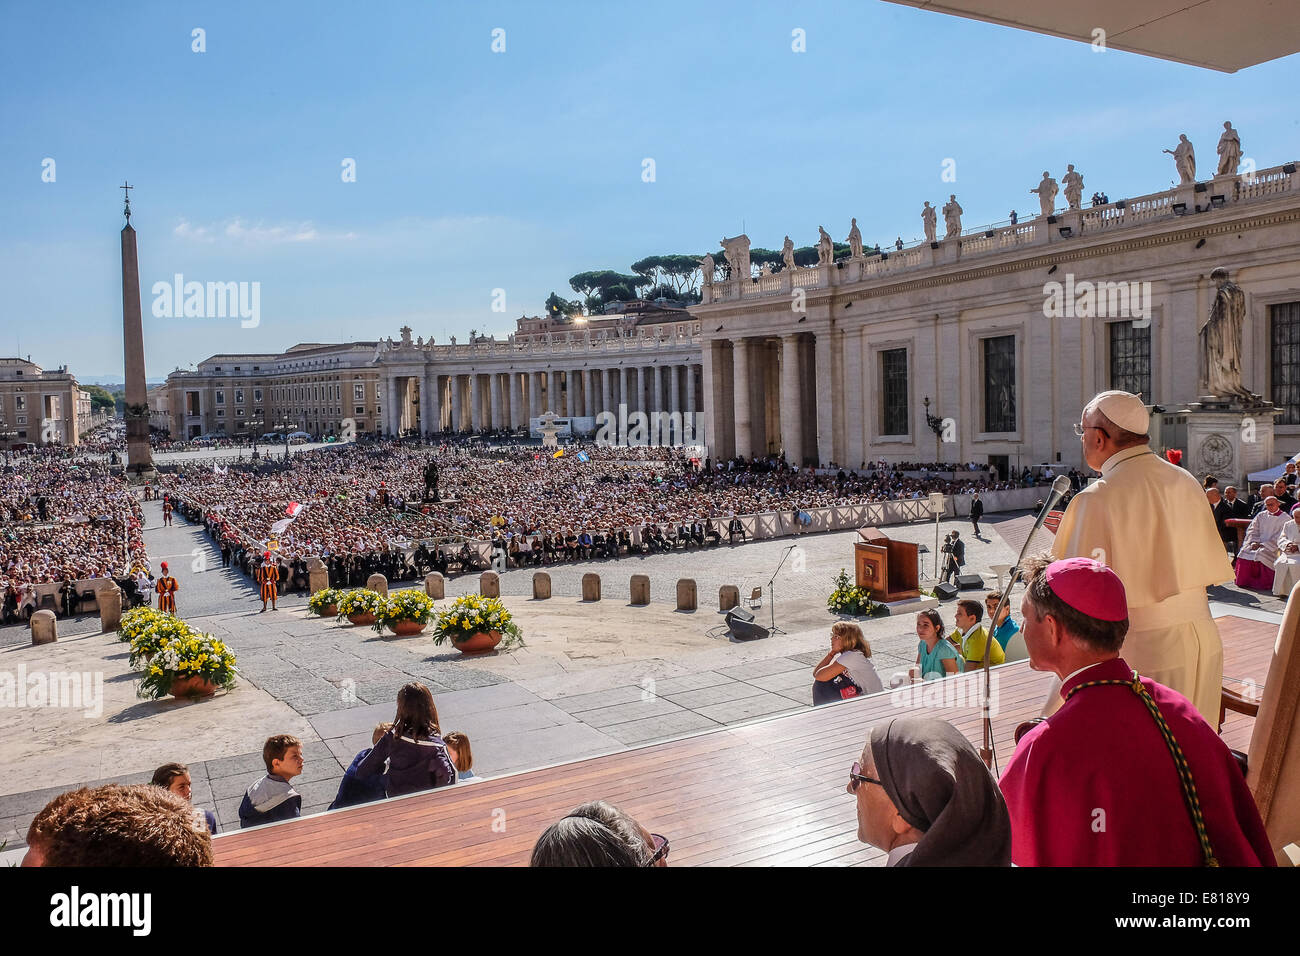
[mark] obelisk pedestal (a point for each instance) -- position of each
(139, 458)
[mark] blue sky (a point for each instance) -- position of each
(479, 170)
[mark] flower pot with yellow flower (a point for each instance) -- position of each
(195, 665)
(406, 612)
(325, 602)
(361, 606)
(475, 624)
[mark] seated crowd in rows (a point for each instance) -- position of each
(63, 520)
(367, 501)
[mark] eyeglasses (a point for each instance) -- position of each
(661, 849)
(856, 778)
(1080, 429)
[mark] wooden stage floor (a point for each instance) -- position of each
(768, 793)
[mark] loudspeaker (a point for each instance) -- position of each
(969, 582)
(746, 630)
(945, 591)
(739, 613)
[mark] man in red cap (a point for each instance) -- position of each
(166, 588)
(1125, 773)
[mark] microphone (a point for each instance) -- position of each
(1059, 487)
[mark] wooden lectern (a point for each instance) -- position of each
(885, 567)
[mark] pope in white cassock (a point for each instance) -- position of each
(1148, 521)
(1286, 569)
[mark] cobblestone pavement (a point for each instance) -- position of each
(343, 681)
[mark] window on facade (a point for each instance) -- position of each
(361, 410)
(221, 398)
(20, 402)
(1284, 354)
(257, 394)
(221, 413)
(1130, 358)
(358, 392)
(1000, 384)
(239, 396)
(893, 383)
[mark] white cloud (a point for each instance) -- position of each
(240, 231)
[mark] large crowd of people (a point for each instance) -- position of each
(364, 507)
(63, 519)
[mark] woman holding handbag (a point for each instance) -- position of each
(846, 671)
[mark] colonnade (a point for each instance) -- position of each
(473, 400)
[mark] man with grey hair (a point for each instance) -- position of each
(1147, 519)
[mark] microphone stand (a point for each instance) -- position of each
(988, 752)
(771, 591)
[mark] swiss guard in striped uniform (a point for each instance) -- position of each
(166, 588)
(268, 576)
(1126, 772)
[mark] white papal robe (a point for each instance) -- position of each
(1286, 569)
(1149, 522)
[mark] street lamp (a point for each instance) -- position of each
(255, 426)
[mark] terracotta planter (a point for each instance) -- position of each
(478, 643)
(329, 610)
(361, 618)
(193, 687)
(407, 628)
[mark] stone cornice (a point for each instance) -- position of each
(884, 287)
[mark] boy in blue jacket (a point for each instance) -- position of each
(272, 798)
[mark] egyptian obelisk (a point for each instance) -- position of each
(139, 459)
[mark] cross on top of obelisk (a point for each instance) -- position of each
(127, 211)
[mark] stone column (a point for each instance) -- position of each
(855, 419)
(826, 451)
(553, 394)
(674, 397)
(391, 415)
(516, 400)
(457, 409)
(657, 389)
(475, 402)
(640, 388)
(494, 391)
(606, 393)
(791, 407)
(534, 394)
(740, 388)
(571, 390)
(435, 395)
(690, 389)
(426, 404)
(625, 388)
(588, 397)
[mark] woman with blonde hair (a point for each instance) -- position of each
(462, 757)
(846, 670)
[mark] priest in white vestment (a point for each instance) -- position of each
(1148, 521)
(1259, 548)
(1286, 569)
